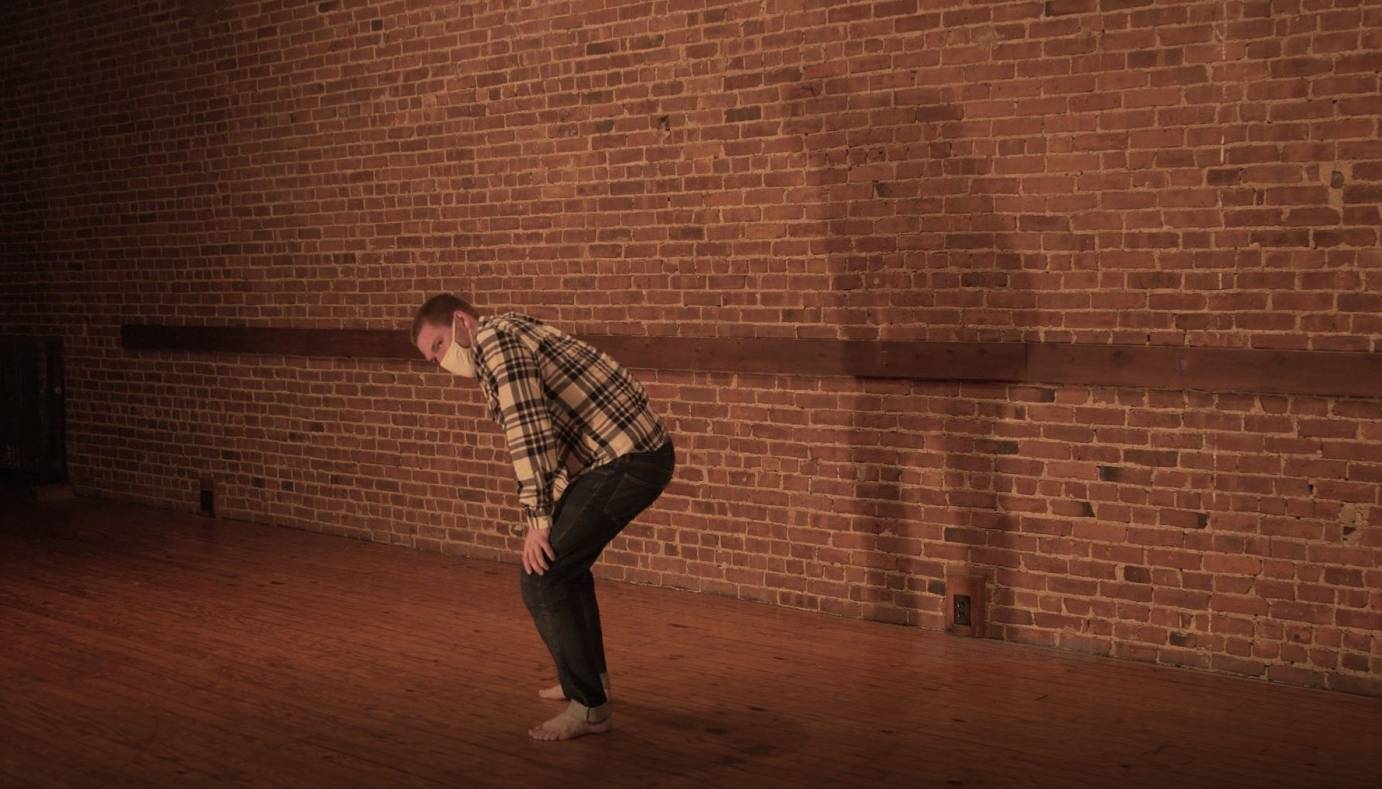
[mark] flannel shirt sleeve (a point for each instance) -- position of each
(527, 427)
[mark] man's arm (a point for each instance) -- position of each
(527, 427)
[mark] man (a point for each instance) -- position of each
(589, 456)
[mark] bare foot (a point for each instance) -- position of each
(566, 727)
(555, 693)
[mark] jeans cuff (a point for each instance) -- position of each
(590, 714)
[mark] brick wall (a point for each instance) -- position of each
(1204, 174)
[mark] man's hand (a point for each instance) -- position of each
(536, 551)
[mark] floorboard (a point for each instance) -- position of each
(148, 648)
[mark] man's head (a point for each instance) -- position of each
(443, 320)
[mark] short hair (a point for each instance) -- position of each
(438, 311)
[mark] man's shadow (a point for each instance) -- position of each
(915, 251)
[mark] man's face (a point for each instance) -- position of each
(434, 341)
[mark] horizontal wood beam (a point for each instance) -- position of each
(354, 343)
(1220, 369)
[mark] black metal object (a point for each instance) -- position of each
(32, 446)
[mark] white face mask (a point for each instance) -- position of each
(458, 360)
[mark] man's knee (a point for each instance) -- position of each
(539, 589)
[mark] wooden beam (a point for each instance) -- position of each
(1324, 373)
(1216, 369)
(948, 361)
(352, 343)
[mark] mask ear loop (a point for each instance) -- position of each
(464, 352)
(455, 321)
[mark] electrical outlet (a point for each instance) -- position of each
(962, 609)
(208, 499)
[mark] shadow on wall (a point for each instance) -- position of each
(909, 241)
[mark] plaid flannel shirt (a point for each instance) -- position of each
(565, 407)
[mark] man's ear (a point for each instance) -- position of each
(464, 321)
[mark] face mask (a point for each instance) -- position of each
(458, 360)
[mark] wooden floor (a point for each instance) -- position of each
(140, 647)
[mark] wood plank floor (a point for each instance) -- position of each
(147, 648)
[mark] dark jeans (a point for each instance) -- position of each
(592, 511)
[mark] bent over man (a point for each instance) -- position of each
(589, 455)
